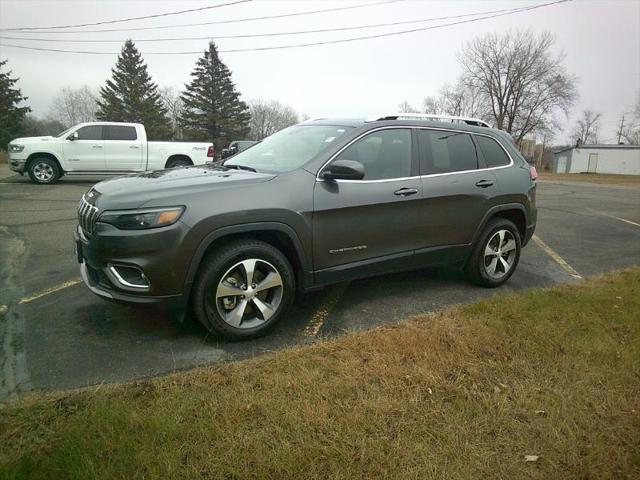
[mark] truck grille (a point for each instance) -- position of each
(87, 215)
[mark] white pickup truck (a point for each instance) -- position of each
(100, 148)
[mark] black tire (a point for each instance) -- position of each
(206, 306)
(44, 171)
(178, 162)
(477, 268)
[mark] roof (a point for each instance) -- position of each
(597, 146)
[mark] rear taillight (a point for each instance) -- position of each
(211, 152)
(533, 173)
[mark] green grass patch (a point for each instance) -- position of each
(465, 393)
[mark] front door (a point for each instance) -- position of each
(123, 149)
(360, 223)
(593, 163)
(85, 153)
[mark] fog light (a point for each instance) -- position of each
(128, 277)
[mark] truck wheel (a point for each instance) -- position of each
(495, 255)
(178, 162)
(242, 290)
(44, 171)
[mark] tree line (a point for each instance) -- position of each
(208, 109)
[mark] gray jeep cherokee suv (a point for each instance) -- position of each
(321, 202)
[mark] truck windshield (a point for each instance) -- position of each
(288, 149)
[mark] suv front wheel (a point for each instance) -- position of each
(242, 290)
(496, 254)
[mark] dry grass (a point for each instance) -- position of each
(457, 395)
(591, 178)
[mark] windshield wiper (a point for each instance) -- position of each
(241, 167)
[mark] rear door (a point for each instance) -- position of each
(123, 148)
(457, 188)
(86, 152)
(369, 220)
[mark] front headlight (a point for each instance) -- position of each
(15, 148)
(142, 219)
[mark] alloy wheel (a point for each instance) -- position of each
(43, 171)
(249, 293)
(500, 254)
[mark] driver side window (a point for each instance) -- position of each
(90, 132)
(385, 154)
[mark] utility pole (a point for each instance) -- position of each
(620, 131)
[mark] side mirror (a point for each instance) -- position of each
(344, 170)
(73, 136)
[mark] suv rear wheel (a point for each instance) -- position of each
(496, 254)
(242, 290)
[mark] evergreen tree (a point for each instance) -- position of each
(11, 115)
(131, 96)
(212, 109)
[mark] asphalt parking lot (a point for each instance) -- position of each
(55, 334)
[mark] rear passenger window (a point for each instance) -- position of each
(446, 152)
(493, 153)
(121, 132)
(385, 154)
(90, 132)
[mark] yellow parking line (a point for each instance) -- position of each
(48, 291)
(559, 260)
(328, 303)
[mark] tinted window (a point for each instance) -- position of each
(445, 152)
(384, 154)
(91, 132)
(120, 132)
(493, 153)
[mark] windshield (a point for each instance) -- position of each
(62, 134)
(288, 149)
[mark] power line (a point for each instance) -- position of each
(299, 45)
(274, 34)
(105, 22)
(236, 20)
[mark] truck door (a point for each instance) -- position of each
(84, 149)
(122, 149)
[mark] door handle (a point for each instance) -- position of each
(405, 192)
(134, 146)
(97, 146)
(484, 183)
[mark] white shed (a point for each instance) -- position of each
(616, 159)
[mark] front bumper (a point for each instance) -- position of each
(97, 253)
(17, 164)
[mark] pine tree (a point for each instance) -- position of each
(212, 109)
(11, 115)
(131, 96)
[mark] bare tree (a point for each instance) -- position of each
(172, 101)
(519, 79)
(268, 117)
(587, 128)
(631, 131)
(405, 107)
(459, 99)
(71, 106)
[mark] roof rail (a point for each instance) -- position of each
(438, 118)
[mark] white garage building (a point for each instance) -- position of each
(616, 159)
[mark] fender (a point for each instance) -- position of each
(244, 228)
(55, 155)
(500, 208)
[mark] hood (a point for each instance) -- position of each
(133, 191)
(24, 140)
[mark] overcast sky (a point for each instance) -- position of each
(601, 40)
